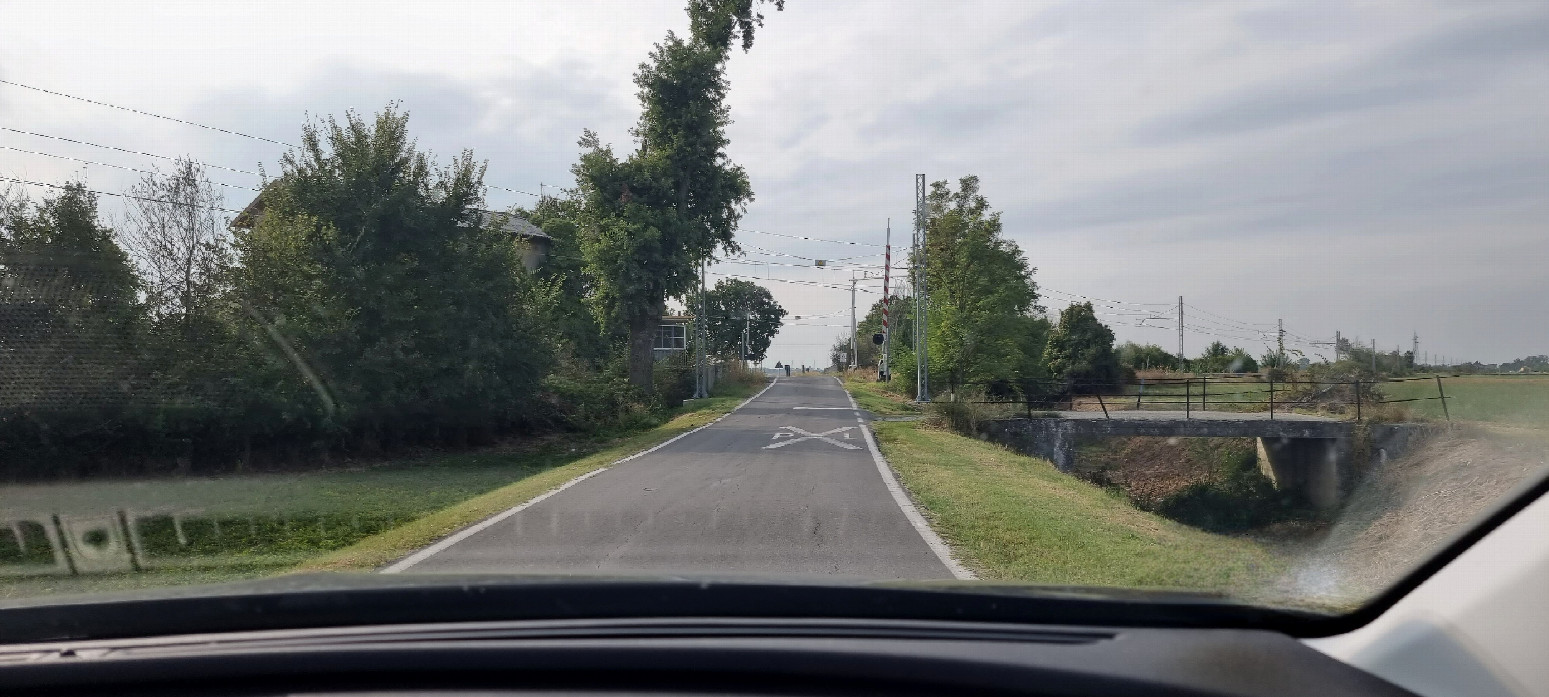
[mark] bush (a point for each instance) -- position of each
(965, 412)
(674, 379)
(1237, 498)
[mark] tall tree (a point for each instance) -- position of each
(391, 286)
(982, 294)
(70, 318)
(1081, 352)
(176, 232)
(651, 219)
(735, 305)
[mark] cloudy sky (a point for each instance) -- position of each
(1376, 168)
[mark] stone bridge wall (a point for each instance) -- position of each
(1317, 458)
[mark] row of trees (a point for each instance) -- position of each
(367, 299)
(985, 322)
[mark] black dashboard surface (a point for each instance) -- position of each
(692, 656)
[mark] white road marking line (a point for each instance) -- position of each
(474, 529)
(823, 408)
(900, 497)
(818, 436)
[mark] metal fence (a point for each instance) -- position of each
(1353, 398)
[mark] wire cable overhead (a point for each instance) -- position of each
(147, 113)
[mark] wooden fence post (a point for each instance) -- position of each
(1444, 410)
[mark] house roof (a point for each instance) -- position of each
(516, 225)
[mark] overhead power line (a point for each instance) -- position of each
(514, 191)
(1266, 325)
(147, 113)
(109, 193)
(819, 284)
(126, 150)
(109, 164)
(1100, 300)
(760, 250)
(161, 157)
(813, 239)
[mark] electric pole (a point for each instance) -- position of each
(1336, 345)
(855, 351)
(887, 302)
(921, 297)
(1414, 350)
(1180, 334)
(1280, 343)
(1374, 357)
(701, 363)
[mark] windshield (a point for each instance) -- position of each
(1238, 301)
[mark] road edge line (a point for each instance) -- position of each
(476, 528)
(901, 497)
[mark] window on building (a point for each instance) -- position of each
(671, 337)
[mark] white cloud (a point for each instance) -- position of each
(1372, 167)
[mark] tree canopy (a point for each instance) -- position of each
(983, 298)
(406, 302)
(650, 219)
(732, 305)
(1080, 351)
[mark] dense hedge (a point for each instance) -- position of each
(367, 304)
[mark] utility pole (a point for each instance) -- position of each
(1414, 351)
(1336, 345)
(1374, 357)
(747, 324)
(1180, 334)
(855, 351)
(887, 302)
(1280, 343)
(701, 363)
(921, 297)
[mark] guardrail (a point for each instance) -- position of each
(1231, 392)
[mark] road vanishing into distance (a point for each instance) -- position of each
(790, 485)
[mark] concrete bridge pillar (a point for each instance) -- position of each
(1312, 467)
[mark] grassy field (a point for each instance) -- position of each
(877, 398)
(1496, 399)
(230, 528)
(1014, 518)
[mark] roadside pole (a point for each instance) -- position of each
(855, 351)
(701, 365)
(887, 302)
(921, 297)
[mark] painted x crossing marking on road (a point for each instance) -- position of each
(808, 435)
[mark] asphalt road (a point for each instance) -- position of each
(785, 486)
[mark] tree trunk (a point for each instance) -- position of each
(642, 335)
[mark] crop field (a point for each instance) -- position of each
(1497, 399)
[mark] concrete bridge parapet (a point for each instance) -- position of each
(1310, 455)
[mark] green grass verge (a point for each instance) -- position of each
(877, 398)
(250, 526)
(1506, 399)
(1015, 518)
